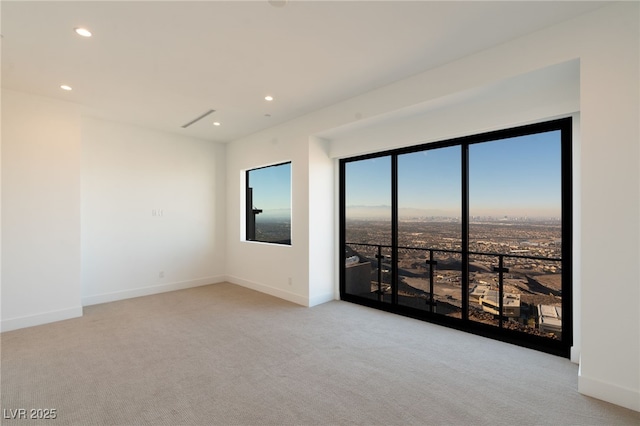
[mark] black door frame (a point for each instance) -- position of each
(560, 347)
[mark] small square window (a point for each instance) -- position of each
(268, 204)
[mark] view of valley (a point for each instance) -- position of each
(531, 253)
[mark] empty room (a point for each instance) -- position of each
(320, 212)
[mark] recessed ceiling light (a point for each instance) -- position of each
(215, 123)
(65, 87)
(268, 98)
(83, 32)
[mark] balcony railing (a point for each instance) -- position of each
(378, 257)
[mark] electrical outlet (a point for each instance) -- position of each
(290, 281)
(161, 274)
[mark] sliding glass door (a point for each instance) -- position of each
(474, 233)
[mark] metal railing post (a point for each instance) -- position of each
(380, 257)
(432, 263)
(501, 270)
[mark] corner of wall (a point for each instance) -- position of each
(272, 291)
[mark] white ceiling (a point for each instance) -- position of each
(162, 64)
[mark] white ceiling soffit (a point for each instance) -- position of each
(161, 64)
(553, 91)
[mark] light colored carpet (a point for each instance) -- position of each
(226, 355)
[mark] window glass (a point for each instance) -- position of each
(472, 232)
(515, 233)
(368, 228)
(429, 231)
(268, 204)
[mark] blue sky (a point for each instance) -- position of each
(514, 177)
(271, 187)
(430, 180)
(520, 174)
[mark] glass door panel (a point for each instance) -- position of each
(429, 230)
(515, 233)
(368, 271)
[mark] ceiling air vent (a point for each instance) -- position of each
(198, 118)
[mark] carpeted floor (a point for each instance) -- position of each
(226, 355)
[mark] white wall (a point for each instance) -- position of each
(275, 269)
(552, 91)
(322, 283)
(128, 173)
(605, 43)
(610, 361)
(77, 201)
(40, 210)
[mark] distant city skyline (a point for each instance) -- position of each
(377, 212)
(515, 177)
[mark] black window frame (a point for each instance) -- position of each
(560, 347)
(251, 212)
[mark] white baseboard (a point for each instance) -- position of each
(628, 398)
(147, 291)
(39, 319)
(281, 294)
(323, 298)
